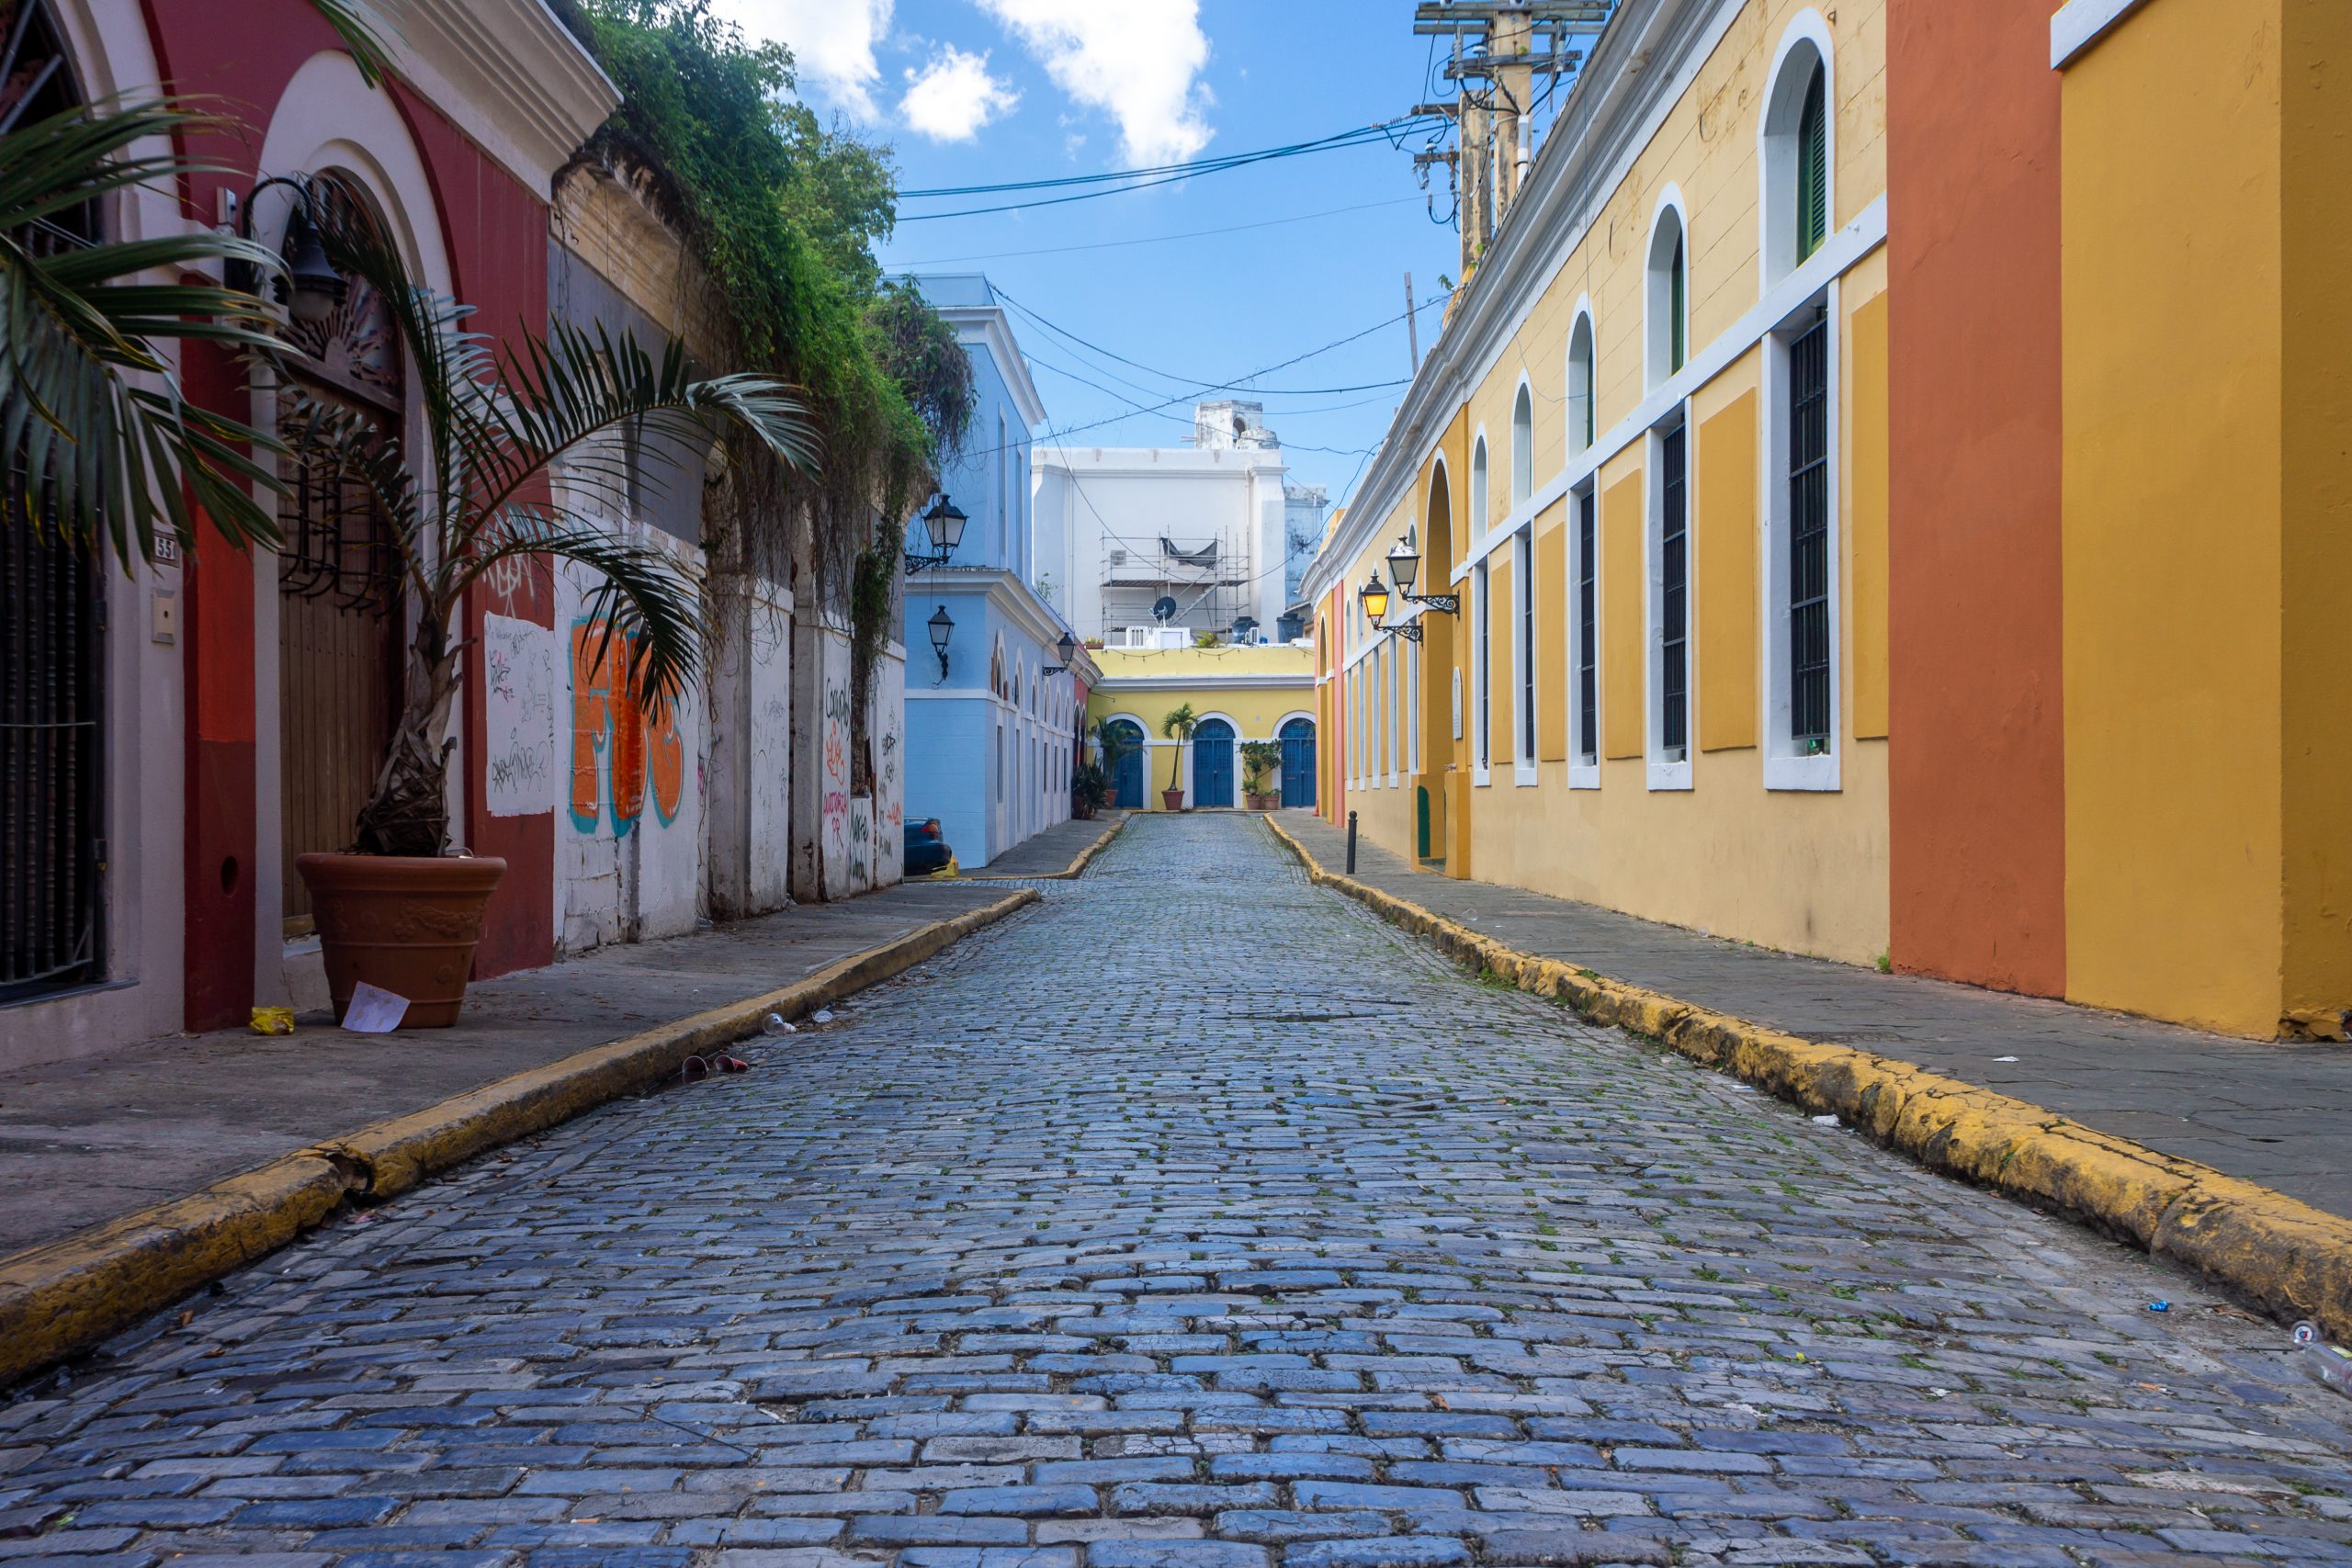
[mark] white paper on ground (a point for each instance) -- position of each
(374, 1010)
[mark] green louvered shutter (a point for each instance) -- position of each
(1812, 169)
(1677, 309)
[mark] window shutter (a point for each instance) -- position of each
(1677, 309)
(1812, 169)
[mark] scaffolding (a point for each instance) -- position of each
(1208, 579)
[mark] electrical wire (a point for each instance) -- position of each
(1191, 166)
(1154, 239)
(1245, 383)
(1388, 133)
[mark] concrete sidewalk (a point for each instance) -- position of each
(1055, 853)
(2275, 1113)
(86, 1142)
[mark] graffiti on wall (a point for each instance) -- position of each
(518, 716)
(622, 750)
(834, 805)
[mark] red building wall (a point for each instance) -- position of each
(241, 54)
(1977, 762)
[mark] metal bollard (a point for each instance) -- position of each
(1352, 843)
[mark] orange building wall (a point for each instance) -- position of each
(1977, 784)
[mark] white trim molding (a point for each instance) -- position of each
(510, 76)
(1843, 250)
(2078, 24)
(1784, 767)
(1777, 129)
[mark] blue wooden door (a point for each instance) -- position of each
(1128, 785)
(1298, 763)
(1213, 764)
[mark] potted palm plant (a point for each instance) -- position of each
(403, 910)
(1178, 726)
(1258, 757)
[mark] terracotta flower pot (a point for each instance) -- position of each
(407, 924)
(1173, 800)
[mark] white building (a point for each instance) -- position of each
(1143, 545)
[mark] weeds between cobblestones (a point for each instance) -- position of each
(1193, 1220)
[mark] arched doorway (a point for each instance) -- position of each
(338, 576)
(1213, 764)
(1127, 783)
(1298, 763)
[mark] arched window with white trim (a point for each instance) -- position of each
(1669, 296)
(1478, 518)
(1794, 151)
(1522, 448)
(1584, 418)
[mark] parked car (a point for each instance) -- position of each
(927, 848)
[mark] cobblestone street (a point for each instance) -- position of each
(1192, 1220)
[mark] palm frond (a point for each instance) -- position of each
(92, 420)
(644, 600)
(362, 29)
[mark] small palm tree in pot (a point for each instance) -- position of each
(1178, 725)
(403, 910)
(1258, 757)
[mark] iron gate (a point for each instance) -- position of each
(51, 615)
(49, 785)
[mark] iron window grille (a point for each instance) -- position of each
(1588, 644)
(1485, 672)
(53, 856)
(1809, 714)
(1674, 597)
(1523, 568)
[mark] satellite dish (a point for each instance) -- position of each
(1165, 610)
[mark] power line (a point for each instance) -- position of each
(1191, 166)
(1183, 171)
(1155, 239)
(1243, 384)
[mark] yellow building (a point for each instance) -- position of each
(1237, 694)
(1647, 457)
(1960, 596)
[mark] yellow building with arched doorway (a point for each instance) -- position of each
(1237, 693)
(1663, 383)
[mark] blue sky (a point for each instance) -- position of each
(972, 92)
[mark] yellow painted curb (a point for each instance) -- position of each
(2293, 1259)
(67, 1295)
(1069, 873)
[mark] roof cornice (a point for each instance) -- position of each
(509, 74)
(989, 325)
(1639, 67)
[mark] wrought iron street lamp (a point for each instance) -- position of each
(311, 288)
(943, 625)
(1068, 650)
(944, 524)
(1374, 596)
(1405, 565)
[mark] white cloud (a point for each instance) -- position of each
(1138, 61)
(832, 44)
(951, 98)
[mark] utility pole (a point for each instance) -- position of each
(1498, 50)
(1412, 325)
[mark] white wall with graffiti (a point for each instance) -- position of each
(629, 835)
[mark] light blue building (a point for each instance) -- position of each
(994, 705)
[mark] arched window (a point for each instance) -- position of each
(1795, 151)
(1669, 296)
(1478, 518)
(1583, 417)
(1522, 448)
